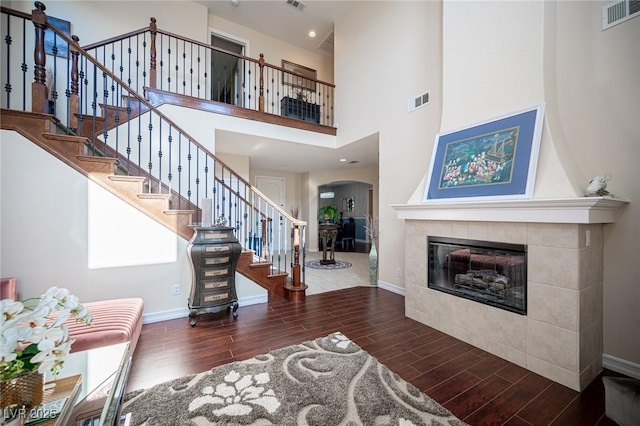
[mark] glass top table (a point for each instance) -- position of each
(104, 373)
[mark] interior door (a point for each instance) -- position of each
(227, 71)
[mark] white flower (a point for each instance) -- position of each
(30, 335)
(10, 310)
(235, 395)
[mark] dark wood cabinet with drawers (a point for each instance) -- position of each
(214, 253)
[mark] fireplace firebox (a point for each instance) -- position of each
(483, 271)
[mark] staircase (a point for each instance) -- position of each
(119, 140)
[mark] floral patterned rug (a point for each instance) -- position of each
(328, 381)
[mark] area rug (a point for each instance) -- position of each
(315, 264)
(328, 381)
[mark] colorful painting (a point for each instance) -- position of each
(493, 159)
(482, 160)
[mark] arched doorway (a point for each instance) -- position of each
(353, 201)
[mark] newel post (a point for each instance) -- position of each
(295, 267)
(261, 63)
(153, 29)
(74, 102)
(39, 95)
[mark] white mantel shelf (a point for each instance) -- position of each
(583, 210)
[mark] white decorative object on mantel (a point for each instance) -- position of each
(207, 212)
(598, 186)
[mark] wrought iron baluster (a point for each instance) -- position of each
(170, 147)
(129, 133)
(159, 156)
(150, 165)
(198, 79)
(189, 173)
(169, 64)
(8, 41)
(104, 109)
(144, 61)
(198, 178)
(184, 67)
(180, 169)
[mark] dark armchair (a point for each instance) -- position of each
(349, 235)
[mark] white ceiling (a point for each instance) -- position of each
(274, 154)
(279, 20)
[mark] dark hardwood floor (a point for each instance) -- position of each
(477, 387)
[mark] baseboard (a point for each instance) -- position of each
(390, 287)
(621, 366)
(253, 300)
(165, 315)
(184, 312)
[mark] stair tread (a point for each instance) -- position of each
(127, 178)
(96, 159)
(154, 196)
(174, 211)
(62, 137)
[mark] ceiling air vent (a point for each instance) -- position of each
(297, 4)
(619, 11)
(418, 101)
(327, 44)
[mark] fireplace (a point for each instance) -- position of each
(483, 271)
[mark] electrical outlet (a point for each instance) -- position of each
(399, 272)
(176, 290)
(587, 238)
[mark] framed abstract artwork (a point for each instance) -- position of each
(54, 45)
(495, 159)
(298, 76)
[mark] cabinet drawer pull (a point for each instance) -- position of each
(216, 235)
(216, 272)
(216, 249)
(216, 297)
(210, 285)
(215, 260)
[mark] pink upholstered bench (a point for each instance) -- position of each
(8, 288)
(114, 321)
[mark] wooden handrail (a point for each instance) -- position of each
(246, 58)
(115, 39)
(80, 50)
(17, 13)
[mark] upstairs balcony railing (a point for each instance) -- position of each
(87, 99)
(157, 59)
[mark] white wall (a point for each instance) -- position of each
(385, 54)
(48, 213)
(275, 50)
(94, 21)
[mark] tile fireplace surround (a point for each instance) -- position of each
(561, 336)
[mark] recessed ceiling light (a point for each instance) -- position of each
(343, 159)
(312, 34)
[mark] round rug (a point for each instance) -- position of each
(315, 264)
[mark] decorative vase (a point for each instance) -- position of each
(25, 390)
(373, 265)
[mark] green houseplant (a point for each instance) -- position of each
(328, 213)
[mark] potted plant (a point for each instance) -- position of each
(328, 213)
